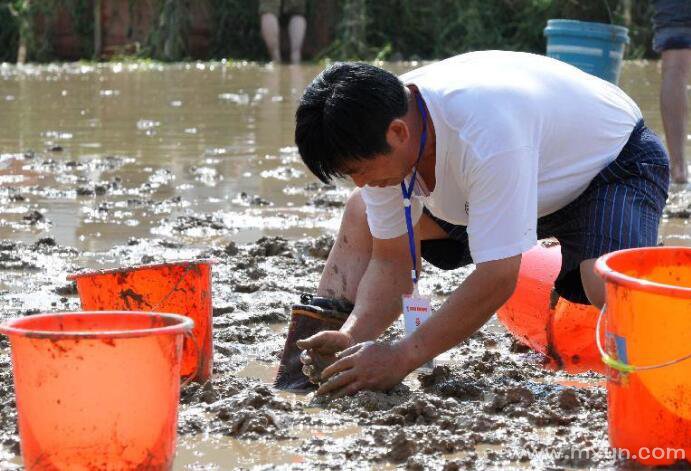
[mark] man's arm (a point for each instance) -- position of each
(380, 366)
(386, 279)
(467, 309)
(377, 304)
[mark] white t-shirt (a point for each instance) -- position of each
(518, 136)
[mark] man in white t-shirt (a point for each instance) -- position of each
(507, 148)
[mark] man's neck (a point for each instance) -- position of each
(427, 162)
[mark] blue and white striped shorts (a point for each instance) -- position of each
(620, 209)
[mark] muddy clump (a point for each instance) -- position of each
(235, 407)
(679, 205)
(271, 247)
(245, 199)
(321, 247)
(441, 381)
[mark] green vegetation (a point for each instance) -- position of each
(360, 29)
(167, 38)
(26, 28)
(235, 31)
(400, 29)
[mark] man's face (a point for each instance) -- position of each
(381, 171)
(385, 169)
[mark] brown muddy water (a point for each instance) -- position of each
(118, 164)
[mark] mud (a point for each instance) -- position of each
(490, 404)
(679, 204)
(65, 206)
(484, 396)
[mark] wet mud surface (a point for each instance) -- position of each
(488, 403)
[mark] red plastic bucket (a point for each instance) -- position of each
(561, 330)
(182, 287)
(97, 390)
(647, 347)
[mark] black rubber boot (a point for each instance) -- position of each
(311, 316)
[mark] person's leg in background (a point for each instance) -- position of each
(296, 30)
(676, 66)
(297, 26)
(269, 11)
(672, 40)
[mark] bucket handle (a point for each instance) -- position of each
(197, 353)
(620, 365)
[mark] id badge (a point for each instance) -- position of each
(416, 310)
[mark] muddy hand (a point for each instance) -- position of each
(375, 366)
(320, 350)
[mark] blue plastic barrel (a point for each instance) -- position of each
(596, 48)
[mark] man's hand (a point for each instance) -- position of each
(368, 365)
(320, 351)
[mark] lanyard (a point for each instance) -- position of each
(408, 192)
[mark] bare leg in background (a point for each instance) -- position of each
(271, 35)
(296, 32)
(676, 65)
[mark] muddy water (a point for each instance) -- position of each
(129, 163)
(199, 138)
(218, 136)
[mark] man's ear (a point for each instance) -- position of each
(398, 133)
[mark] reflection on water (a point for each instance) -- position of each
(171, 140)
(221, 453)
(202, 137)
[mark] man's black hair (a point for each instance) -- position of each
(344, 115)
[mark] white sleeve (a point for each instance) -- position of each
(385, 215)
(502, 216)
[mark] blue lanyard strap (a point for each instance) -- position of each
(408, 192)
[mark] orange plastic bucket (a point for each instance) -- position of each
(182, 287)
(648, 349)
(561, 330)
(97, 390)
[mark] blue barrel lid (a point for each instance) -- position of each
(588, 29)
